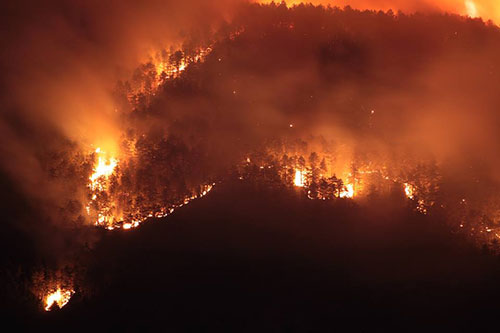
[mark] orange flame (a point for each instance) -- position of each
(299, 178)
(409, 190)
(103, 168)
(347, 191)
(60, 296)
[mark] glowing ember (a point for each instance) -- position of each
(163, 212)
(421, 207)
(299, 178)
(61, 297)
(409, 191)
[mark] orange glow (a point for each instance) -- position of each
(99, 181)
(60, 296)
(347, 191)
(164, 66)
(471, 8)
(105, 209)
(409, 190)
(299, 178)
(485, 9)
(103, 169)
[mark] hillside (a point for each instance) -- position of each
(246, 259)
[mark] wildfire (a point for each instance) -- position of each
(103, 169)
(299, 178)
(171, 69)
(60, 296)
(105, 213)
(347, 191)
(471, 8)
(163, 212)
(409, 191)
(318, 178)
(98, 184)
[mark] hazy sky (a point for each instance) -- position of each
(487, 9)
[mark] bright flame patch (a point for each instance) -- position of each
(61, 297)
(471, 8)
(299, 178)
(348, 191)
(409, 191)
(103, 168)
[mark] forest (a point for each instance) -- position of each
(346, 113)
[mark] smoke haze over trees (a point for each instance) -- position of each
(370, 98)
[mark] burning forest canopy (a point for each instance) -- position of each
(340, 104)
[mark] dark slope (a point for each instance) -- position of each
(258, 260)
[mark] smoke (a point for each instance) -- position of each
(486, 9)
(60, 61)
(351, 83)
(377, 89)
(434, 70)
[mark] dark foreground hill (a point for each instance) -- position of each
(249, 260)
